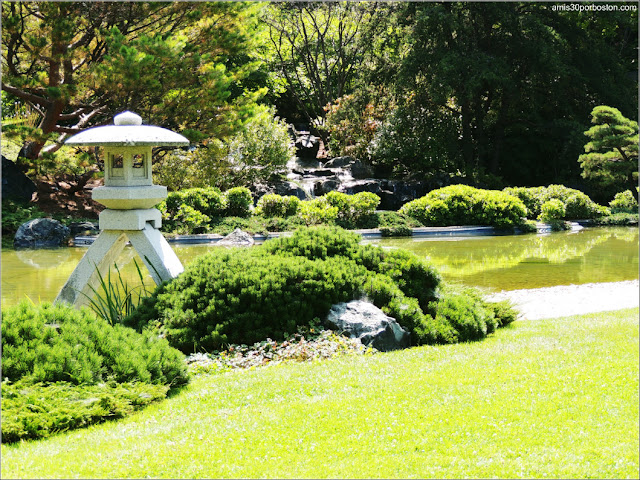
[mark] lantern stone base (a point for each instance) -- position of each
(129, 197)
(129, 219)
(155, 252)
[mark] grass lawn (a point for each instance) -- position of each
(553, 398)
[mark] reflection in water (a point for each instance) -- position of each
(532, 261)
(45, 258)
(497, 263)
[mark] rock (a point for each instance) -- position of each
(365, 321)
(339, 162)
(237, 238)
(281, 188)
(83, 228)
(395, 193)
(323, 187)
(307, 146)
(41, 233)
(15, 184)
(358, 186)
(360, 170)
(319, 172)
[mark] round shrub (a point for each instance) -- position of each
(237, 297)
(315, 243)
(578, 204)
(465, 205)
(238, 202)
(353, 209)
(552, 211)
(274, 205)
(624, 202)
(317, 211)
(55, 343)
(415, 276)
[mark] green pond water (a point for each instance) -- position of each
(507, 262)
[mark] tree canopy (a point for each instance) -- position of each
(612, 152)
(488, 93)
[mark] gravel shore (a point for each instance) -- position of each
(565, 300)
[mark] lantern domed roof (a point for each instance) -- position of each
(128, 131)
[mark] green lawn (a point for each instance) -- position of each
(553, 398)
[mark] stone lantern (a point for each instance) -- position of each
(129, 195)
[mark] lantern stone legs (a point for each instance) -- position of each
(141, 229)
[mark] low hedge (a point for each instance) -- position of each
(465, 205)
(246, 296)
(57, 343)
(578, 205)
(32, 411)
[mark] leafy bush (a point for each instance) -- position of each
(578, 204)
(317, 211)
(255, 154)
(352, 209)
(552, 211)
(31, 411)
(623, 202)
(190, 210)
(274, 205)
(465, 205)
(238, 202)
(54, 343)
(352, 121)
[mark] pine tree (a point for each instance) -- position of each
(611, 156)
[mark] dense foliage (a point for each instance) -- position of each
(612, 152)
(270, 291)
(39, 410)
(57, 343)
(578, 206)
(492, 93)
(624, 202)
(465, 205)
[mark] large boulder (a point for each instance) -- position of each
(366, 322)
(41, 233)
(15, 184)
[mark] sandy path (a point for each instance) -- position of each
(565, 300)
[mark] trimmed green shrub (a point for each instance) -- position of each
(465, 205)
(414, 276)
(552, 211)
(238, 202)
(317, 211)
(578, 204)
(315, 243)
(239, 297)
(55, 343)
(624, 202)
(353, 209)
(31, 411)
(190, 210)
(274, 205)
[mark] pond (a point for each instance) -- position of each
(497, 263)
